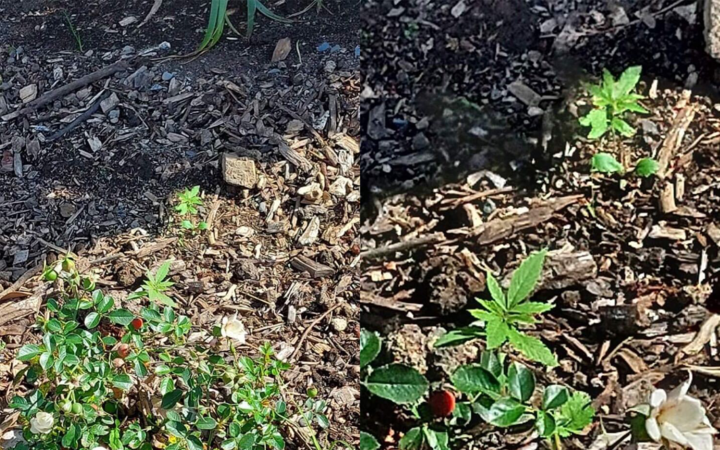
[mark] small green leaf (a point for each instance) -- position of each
(598, 122)
(525, 278)
(171, 398)
(627, 81)
(458, 336)
(436, 440)
(505, 412)
(490, 362)
(579, 414)
(369, 347)
(521, 382)
(397, 383)
(413, 439)
(29, 351)
(622, 127)
(46, 360)
(532, 308)
(121, 317)
(105, 304)
(206, 423)
(496, 291)
(545, 424)
(646, 167)
(122, 381)
(194, 443)
(554, 396)
(531, 347)
(605, 163)
(92, 320)
(497, 333)
(473, 378)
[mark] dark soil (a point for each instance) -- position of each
(621, 285)
(119, 197)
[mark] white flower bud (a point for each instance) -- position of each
(42, 423)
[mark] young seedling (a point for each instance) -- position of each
(155, 286)
(606, 163)
(74, 32)
(188, 201)
(219, 17)
(507, 311)
(612, 99)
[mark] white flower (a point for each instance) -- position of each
(99, 448)
(42, 423)
(679, 418)
(234, 329)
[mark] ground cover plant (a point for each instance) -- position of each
(104, 377)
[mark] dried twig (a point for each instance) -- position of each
(309, 329)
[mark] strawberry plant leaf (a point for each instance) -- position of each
(413, 439)
(521, 382)
(397, 383)
(605, 163)
(121, 317)
(490, 362)
(531, 347)
(646, 167)
(554, 396)
(473, 378)
(436, 440)
(545, 424)
(369, 347)
(368, 441)
(505, 412)
(525, 278)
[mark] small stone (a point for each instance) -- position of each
(339, 324)
(245, 231)
(20, 257)
(167, 76)
(128, 21)
(109, 103)
(294, 126)
(420, 142)
(239, 171)
(28, 93)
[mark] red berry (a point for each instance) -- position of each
(442, 403)
(136, 324)
(123, 350)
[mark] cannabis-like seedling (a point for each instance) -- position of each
(612, 98)
(155, 286)
(188, 201)
(507, 311)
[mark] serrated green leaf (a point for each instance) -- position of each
(521, 382)
(397, 383)
(497, 333)
(532, 308)
(531, 347)
(368, 441)
(473, 378)
(492, 307)
(646, 167)
(369, 347)
(505, 412)
(598, 122)
(458, 336)
(554, 396)
(413, 439)
(578, 412)
(622, 127)
(496, 291)
(484, 315)
(605, 163)
(525, 278)
(627, 81)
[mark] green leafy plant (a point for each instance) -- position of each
(506, 311)
(504, 395)
(611, 99)
(219, 18)
(606, 163)
(155, 286)
(188, 201)
(103, 377)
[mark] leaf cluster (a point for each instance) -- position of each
(606, 163)
(611, 99)
(155, 286)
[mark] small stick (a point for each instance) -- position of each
(22, 280)
(421, 241)
(309, 328)
(80, 119)
(62, 91)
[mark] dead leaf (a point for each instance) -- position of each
(703, 336)
(282, 50)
